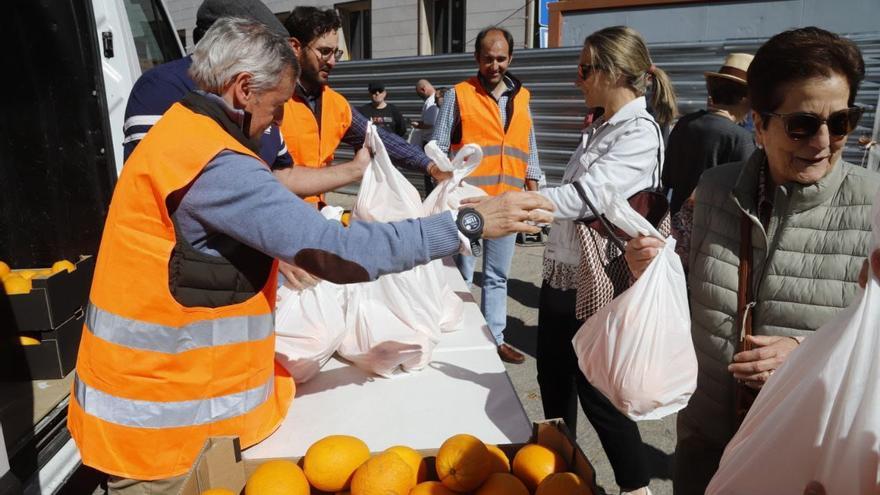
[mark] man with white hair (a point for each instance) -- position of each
(178, 344)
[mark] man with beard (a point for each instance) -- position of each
(491, 109)
(317, 118)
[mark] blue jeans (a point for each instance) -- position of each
(497, 255)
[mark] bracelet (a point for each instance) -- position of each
(794, 339)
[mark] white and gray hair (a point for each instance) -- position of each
(234, 45)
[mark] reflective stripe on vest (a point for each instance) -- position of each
(173, 340)
(151, 414)
(505, 151)
(310, 144)
(514, 182)
(509, 150)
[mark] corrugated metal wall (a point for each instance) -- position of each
(557, 106)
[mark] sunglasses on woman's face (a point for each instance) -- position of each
(584, 71)
(804, 125)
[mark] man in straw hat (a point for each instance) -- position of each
(710, 137)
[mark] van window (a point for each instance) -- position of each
(153, 38)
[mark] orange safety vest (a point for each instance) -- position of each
(505, 153)
(312, 145)
(155, 379)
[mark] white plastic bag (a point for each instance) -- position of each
(309, 327)
(818, 417)
(637, 350)
(393, 322)
(448, 194)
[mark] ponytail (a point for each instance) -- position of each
(663, 99)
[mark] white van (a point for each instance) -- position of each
(69, 67)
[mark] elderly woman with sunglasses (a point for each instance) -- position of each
(808, 216)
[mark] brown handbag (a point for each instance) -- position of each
(743, 395)
(603, 273)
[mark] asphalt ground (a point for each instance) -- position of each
(523, 289)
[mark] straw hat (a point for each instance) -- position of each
(735, 67)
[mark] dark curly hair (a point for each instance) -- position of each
(798, 55)
(307, 23)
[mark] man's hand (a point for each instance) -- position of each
(754, 367)
(362, 160)
(509, 212)
(874, 264)
(296, 278)
(640, 252)
(438, 175)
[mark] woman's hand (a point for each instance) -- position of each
(640, 252)
(874, 263)
(754, 367)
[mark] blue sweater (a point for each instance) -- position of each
(236, 198)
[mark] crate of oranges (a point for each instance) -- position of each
(550, 464)
(41, 317)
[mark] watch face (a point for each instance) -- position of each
(471, 222)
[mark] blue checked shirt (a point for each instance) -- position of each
(449, 118)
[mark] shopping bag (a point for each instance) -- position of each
(637, 350)
(309, 327)
(394, 322)
(818, 416)
(448, 194)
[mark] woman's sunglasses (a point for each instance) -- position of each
(804, 125)
(584, 71)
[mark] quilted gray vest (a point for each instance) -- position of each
(806, 266)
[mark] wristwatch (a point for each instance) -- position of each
(470, 223)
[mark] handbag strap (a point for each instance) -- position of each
(744, 297)
(604, 221)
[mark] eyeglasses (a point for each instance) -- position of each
(377, 91)
(804, 125)
(584, 71)
(326, 52)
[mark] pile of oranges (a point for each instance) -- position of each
(19, 281)
(343, 465)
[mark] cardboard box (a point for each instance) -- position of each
(220, 464)
(53, 358)
(52, 301)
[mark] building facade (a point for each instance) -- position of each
(694, 21)
(399, 28)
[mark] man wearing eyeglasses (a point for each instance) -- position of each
(492, 109)
(317, 119)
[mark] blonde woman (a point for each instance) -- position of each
(623, 146)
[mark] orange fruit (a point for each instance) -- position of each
(330, 462)
(431, 488)
(15, 284)
(277, 478)
(218, 491)
(463, 463)
(502, 484)
(415, 461)
(4, 269)
(383, 474)
(563, 484)
(499, 461)
(63, 265)
(535, 462)
(25, 340)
